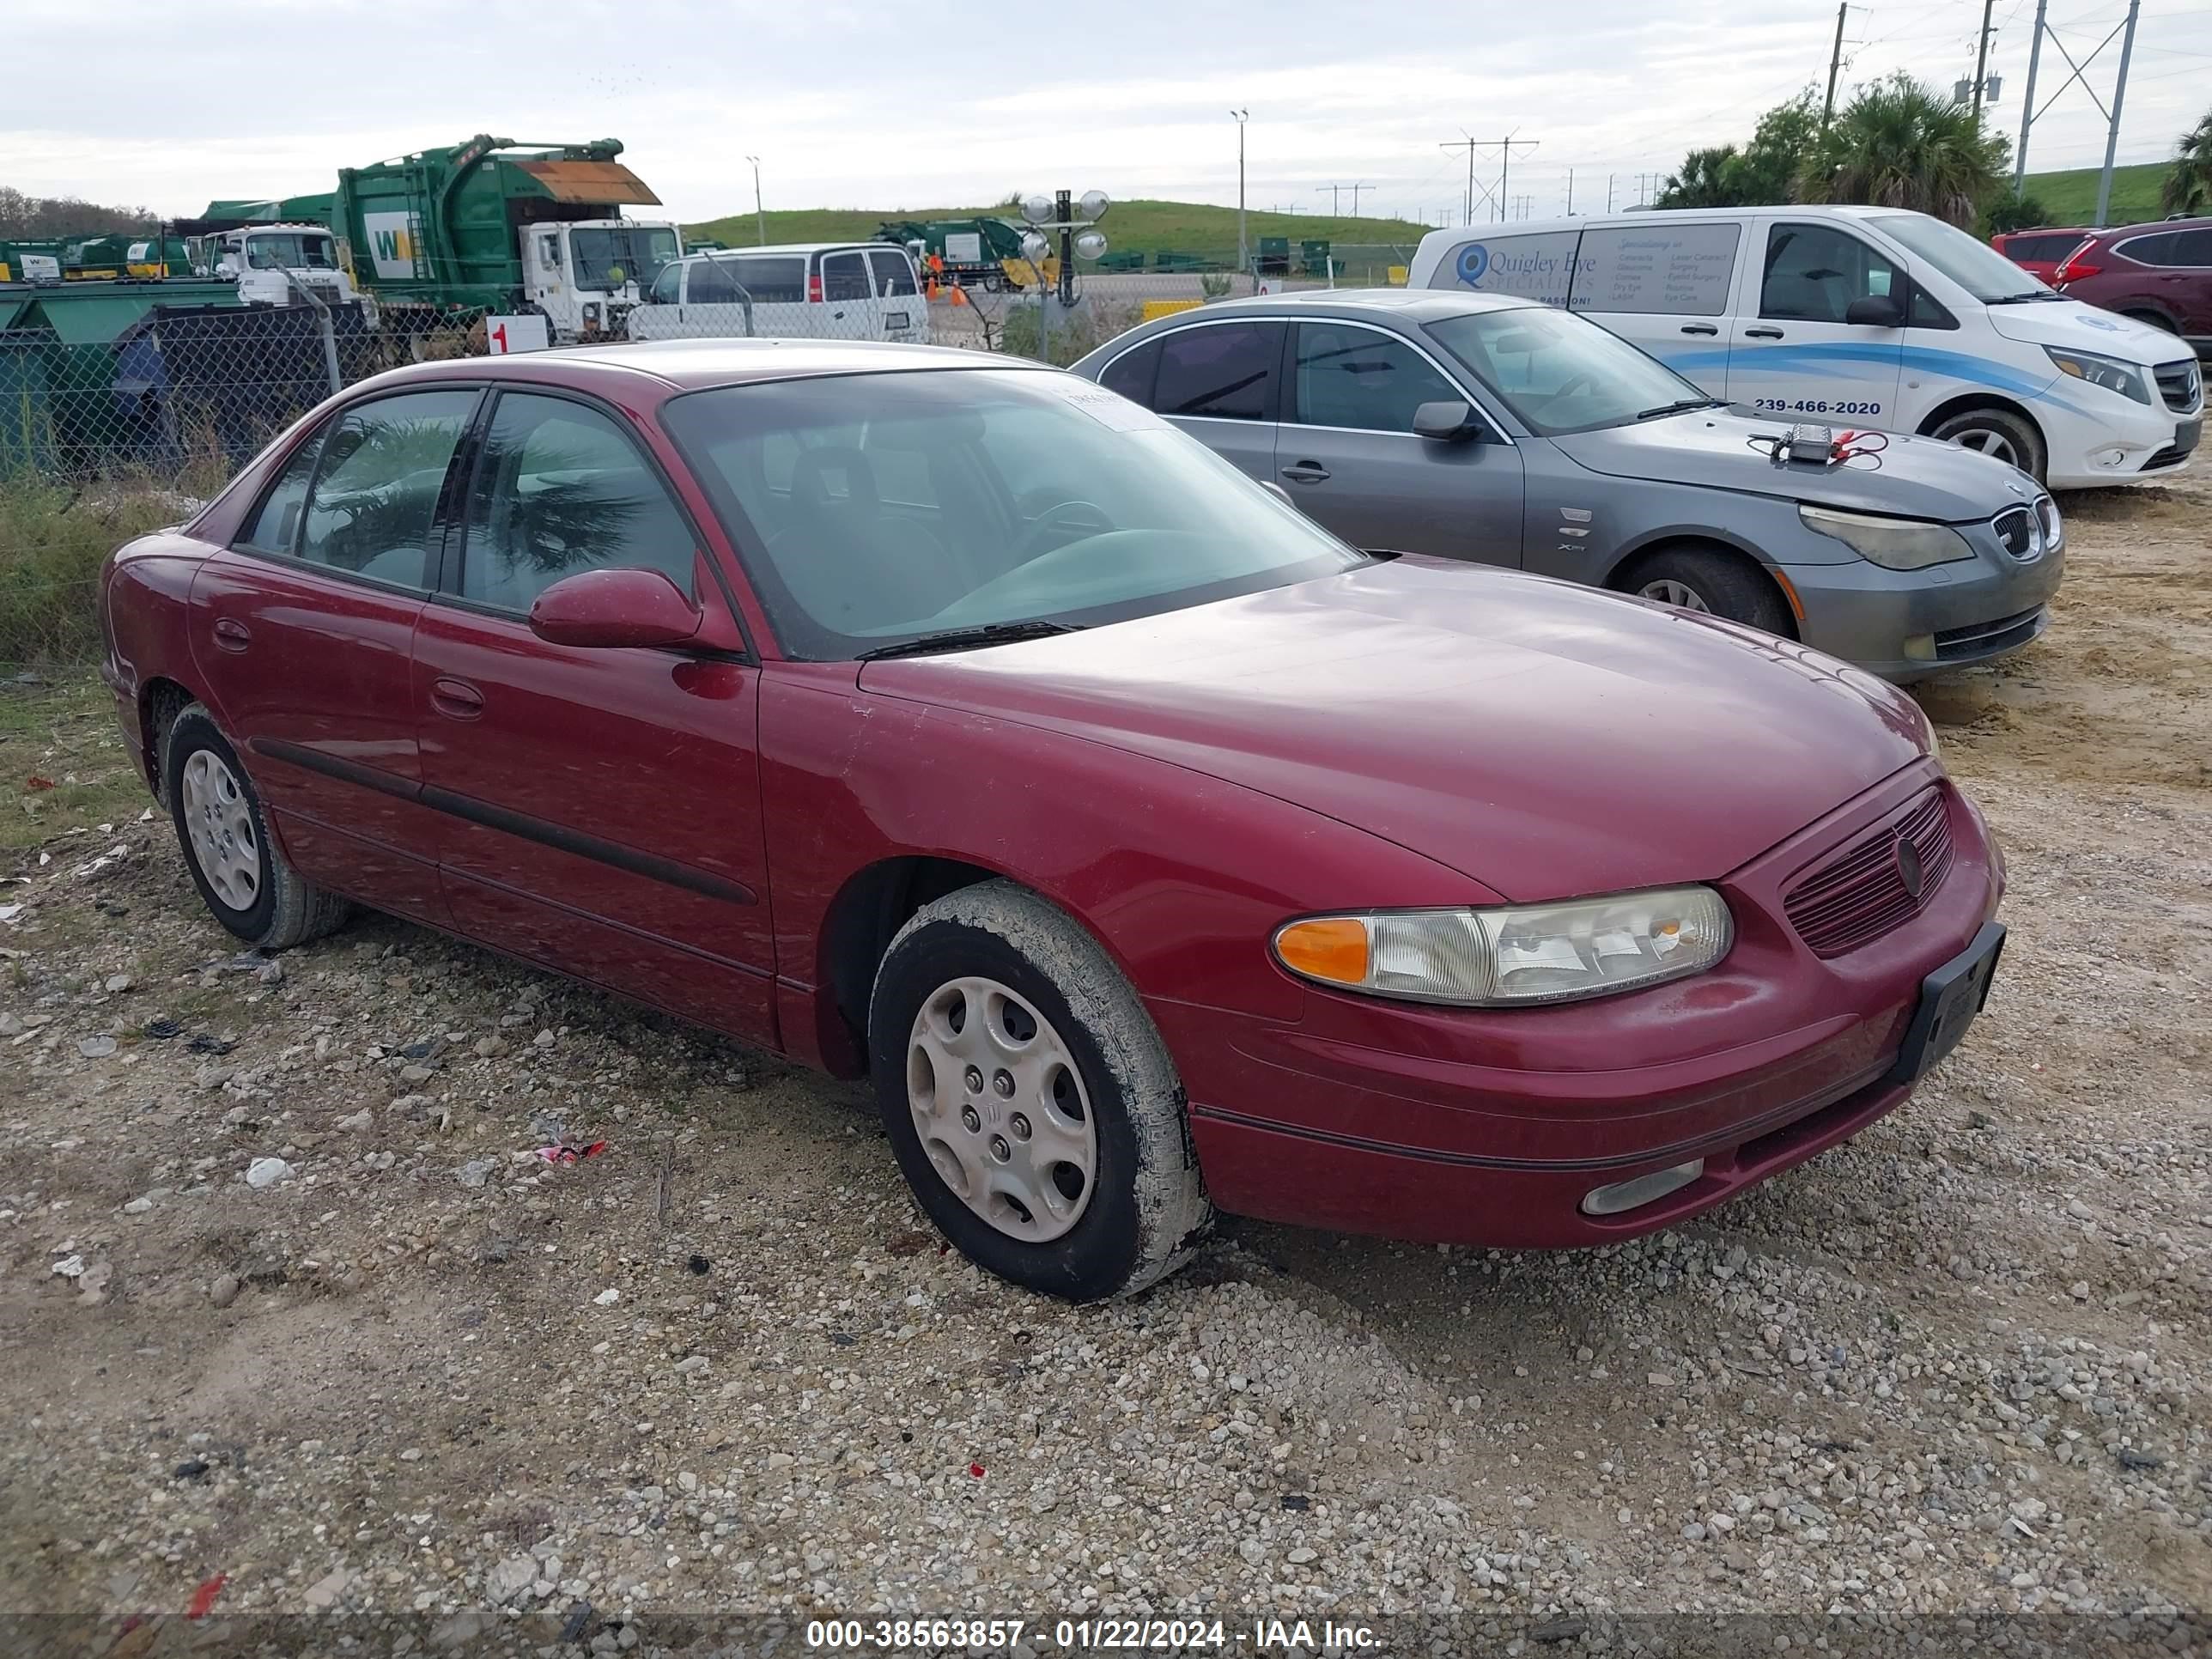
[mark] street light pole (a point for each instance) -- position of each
(760, 213)
(1242, 116)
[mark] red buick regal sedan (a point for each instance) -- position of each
(953, 722)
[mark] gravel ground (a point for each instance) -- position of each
(288, 1298)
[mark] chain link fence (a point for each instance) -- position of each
(120, 414)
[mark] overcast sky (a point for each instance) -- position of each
(870, 105)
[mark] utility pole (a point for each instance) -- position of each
(2027, 105)
(1356, 189)
(1835, 63)
(1470, 144)
(760, 213)
(1570, 192)
(2112, 132)
(1982, 59)
(1608, 192)
(1332, 200)
(1244, 261)
(1505, 166)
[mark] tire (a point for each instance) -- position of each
(990, 974)
(1728, 585)
(243, 880)
(1999, 433)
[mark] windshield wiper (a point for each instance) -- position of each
(968, 639)
(1682, 407)
(2024, 297)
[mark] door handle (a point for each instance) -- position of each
(231, 635)
(1759, 333)
(456, 699)
(1699, 328)
(1306, 472)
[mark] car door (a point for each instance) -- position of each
(1798, 355)
(904, 315)
(303, 635)
(600, 807)
(1215, 380)
(849, 307)
(1346, 452)
(1665, 284)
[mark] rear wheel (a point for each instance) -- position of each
(246, 883)
(1708, 579)
(1998, 433)
(1031, 1104)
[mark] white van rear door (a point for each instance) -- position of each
(849, 307)
(905, 313)
(1792, 352)
(1664, 283)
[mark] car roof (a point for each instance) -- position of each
(674, 366)
(1418, 305)
(2149, 225)
(788, 248)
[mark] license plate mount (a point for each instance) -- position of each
(1950, 998)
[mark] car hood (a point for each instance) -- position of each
(1543, 738)
(1918, 477)
(2087, 328)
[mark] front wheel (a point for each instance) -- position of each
(245, 881)
(2000, 434)
(1724, 585)
(1031, 1104)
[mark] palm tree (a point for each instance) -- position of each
(1706, 181)
(2188, 187)
(1899, 143)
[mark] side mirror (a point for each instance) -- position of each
(1874, 310)
(1445, 421)
(615, 608)
(1277, 491)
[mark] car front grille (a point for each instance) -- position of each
(1862, 892)
(2016, 529)
(2181, 385)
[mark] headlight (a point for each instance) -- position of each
(1521, 953)
(2054, 527)
(1892, 544)
(2109, 373)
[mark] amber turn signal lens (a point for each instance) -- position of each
(1333, 949)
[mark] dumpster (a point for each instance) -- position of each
(1274, 256)
(1313, 257)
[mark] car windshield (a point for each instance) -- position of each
(1560, 373)
(1971, 264)
(288, 250)
(874, 510)
(607, 258)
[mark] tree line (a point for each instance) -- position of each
(1899, 143)
(42, 218)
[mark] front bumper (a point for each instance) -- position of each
(1905, 625)
(1492, 1128)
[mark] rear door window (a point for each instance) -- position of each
(376, 492)
(1221, 371)
(844, 277)
(894, 273)
(772, 278)
(274, 527)
(1663, 269)
(713, 284)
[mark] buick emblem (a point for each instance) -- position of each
(1908, 869)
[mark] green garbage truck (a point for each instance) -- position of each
(493, 225)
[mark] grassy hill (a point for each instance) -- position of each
(2072, 196)
(1147, 227)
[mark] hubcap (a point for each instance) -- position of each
(1668, 591)
(1989, 441)
(1002, 1109)
(218, 822)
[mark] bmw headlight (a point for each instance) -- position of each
(1516, 954)
(2109, 372)
(1892, 544)
(2054, 527)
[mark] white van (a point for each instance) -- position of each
(1859, 317)
(812, 291)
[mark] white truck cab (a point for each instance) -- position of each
(1859, 317)
(587, 274)
(268, 261)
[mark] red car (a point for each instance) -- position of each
(954, 722)
(2158, 274)
(2039, 251)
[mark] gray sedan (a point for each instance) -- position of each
(1483, 427)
